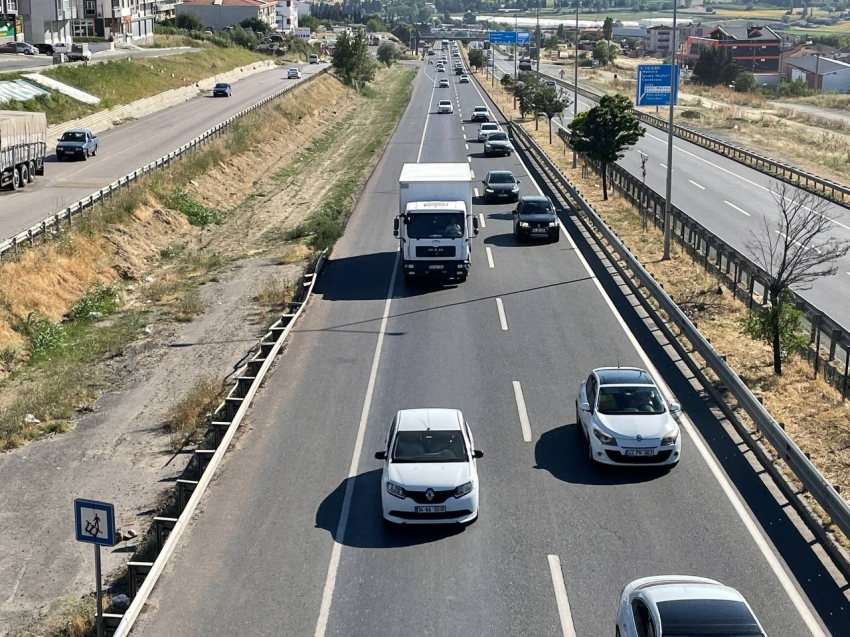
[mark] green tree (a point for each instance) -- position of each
(244, 38)
(550, 103)
(477, 59)
(606, 52)
(605, 132)
(387, 53)
(715, 67)
(351, 60)
(255, 24)
(189, 21)
(469, 18)
(523, 90)
(608, 28)
(309, 22)
(551, 43)
(745, 82)
(375, 26)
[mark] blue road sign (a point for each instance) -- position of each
(95, 522)
(509, 37)
(653, 85)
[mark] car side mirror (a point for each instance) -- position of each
(519, 181)
(475, 225)
(584, 406)
(515, 211)
(675, 408)
(395, 227)
(58, 139)
(477, 453)
(380, 455)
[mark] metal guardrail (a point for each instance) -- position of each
(225, 421)
(53, 222)
(812, 480)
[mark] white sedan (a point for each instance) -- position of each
(625, 419)
(429, 473)
(293, 74)
(445, 106)
(684, 605)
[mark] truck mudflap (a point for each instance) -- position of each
(436, 268)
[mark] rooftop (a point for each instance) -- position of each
(824, 66)
(623, 376)
(747, 33)
(231, 3)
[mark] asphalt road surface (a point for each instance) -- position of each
(127, 147)
(289, 540)
(17, 63)
(726, 197)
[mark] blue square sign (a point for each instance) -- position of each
(653, 85)
(95, 522)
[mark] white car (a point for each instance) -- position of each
(445, 106)
(444, 83)
(625, 419)
(464, 79)
(480, 114)
(429, 473)
(684, 605)
(486, 128)
(293, 74)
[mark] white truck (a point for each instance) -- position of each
(435, 221)
(23, 144)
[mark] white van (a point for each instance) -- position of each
(314, 59)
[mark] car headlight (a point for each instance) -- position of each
(395, 490)
(523, 224)
(553, 224)
(463, 489)
(604, 438)
(515, 189)
(670, 438)
(488, 190)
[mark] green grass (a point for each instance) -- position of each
(124, 81)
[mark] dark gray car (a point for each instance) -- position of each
(501, 185)
(497, 144)
(535, 216)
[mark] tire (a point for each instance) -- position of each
(24, 175)
(94, 152)
(556, 238)
(616, 631)
(31, 171)
(86, 155)
(16, 179)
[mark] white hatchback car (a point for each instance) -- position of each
(684, 605)
(626, 420)
(429, 473)
(444, 83)
(486, 128)
(293, 74)
(445, 106)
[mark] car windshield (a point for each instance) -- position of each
(707, 618)
(501, 178)
(220, 85)
(497, 137)
(486, 127)
(536, 208)
(435, 225)
(429, 446)
(619, 399)
(73, 137)
(479, 109)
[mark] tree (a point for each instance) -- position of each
(606, 52)
(469, 18)
(551, 43)
(476, 59)
(715, 67)
(797, 249)
(608, 28)
(745, 82)
(255, 24)
(244, 38)
(351, 60)
(605, 132)
(188, 21)
(309, 22)
(550, 103)
(523, 90)
(375, 25)
(387, 53)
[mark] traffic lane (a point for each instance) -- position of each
(10, 63)
(127, 147)
(271, 525)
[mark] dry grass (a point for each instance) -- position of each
(275, 293)
(727, 95)
(811, 410)
(185, 418)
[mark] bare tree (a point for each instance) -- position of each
(794, 250)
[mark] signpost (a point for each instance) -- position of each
(507, 37)
(95, 524)
(653, 85)
(302, 33)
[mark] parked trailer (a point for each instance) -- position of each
(23, 144)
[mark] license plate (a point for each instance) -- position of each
(539, 231)
(435, 267)
(431, 509)
(503, 194)
(640, 453)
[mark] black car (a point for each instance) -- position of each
(535, 216)
(497, 144)
(46, 49)
(501, 185)
(222, 90)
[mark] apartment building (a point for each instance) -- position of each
(48, 21)
(754, 49)
(121, 20)
(286, 16)
(10, 22)
(219, 14)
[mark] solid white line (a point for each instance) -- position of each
(333, 567)
(475, 191)
(490, 257)
(737, 208)
(696, 184)
(425, 128)
(484, 223)
(469, 159)
(472, 172)
(503, 320)
(564, 613)
(797, 243)
(522, 411)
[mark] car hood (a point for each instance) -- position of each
(71, 144)
(647, 426)
(499, 142)
(434, 475)
(501, 186)
(538, 218)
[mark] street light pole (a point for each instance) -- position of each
(669, 194)
(537, 81)
(575, 82)
(515, 50)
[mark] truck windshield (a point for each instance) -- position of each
(74, 137)
(435, 225)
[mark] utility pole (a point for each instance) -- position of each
(817, 72)
(537, 81)
(669, 194)
(515, 50)
(575, 82)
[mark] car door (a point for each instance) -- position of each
(588, 395)
(516, 213)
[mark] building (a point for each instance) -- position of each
(819, 73)
(48, 21)
(218, 14)
(123, 20)
(286, 16)
(659, 39)
(304, 9)
(754, 49)
(11, 25)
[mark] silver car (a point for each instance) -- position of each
(497, 143)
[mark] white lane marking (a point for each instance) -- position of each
(472, 172)
(467, 146)
(696, 184)
(490, 257)
(664, 166)
(484, 223)
(737, 208)
(463, 128)
(522, 411)
(729, 172)
(425, 128)
(475, 192)
(568, 629)
(503, 320)
(797, 243)
(469, 159)
(333, 567)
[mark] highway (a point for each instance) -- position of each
(125, 148)
(289, 540)
(724, 196)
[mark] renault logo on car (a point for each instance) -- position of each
(429, 494)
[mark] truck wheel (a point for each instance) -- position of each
(86, 154)
(24, 175)
(31, 171)
(94, 152)
(16, 179)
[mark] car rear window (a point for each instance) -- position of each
(706, 618)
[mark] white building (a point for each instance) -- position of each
(286, 16)
(218, 14)
(47, 21)
(123, 20)
(304, 8)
